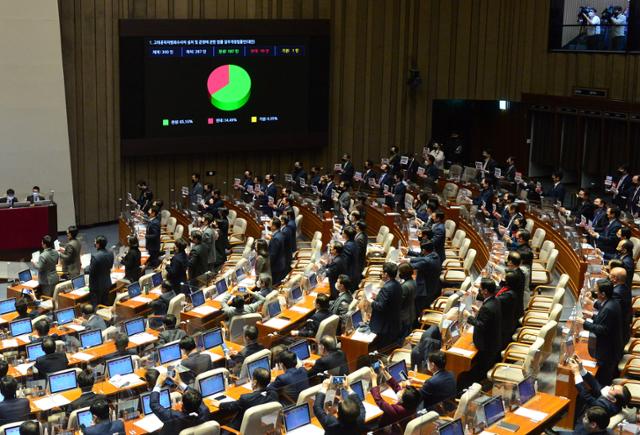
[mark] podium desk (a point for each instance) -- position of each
(22, 229)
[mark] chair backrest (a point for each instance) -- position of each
(37, 319)
(551, 261)
(408, 201)
(145, 281)
(212, 372)
(452, 301)
(538, 238)
(458, 237)
(393, 255)
(468, 260)
(419, 424)
(466, 284)
(108, 331)
(548, 334)
(296, 211)
(252, 358)
(118, 298)
(164, 217)
(360, 374)
(240, 264)
(308, 394)
(464, 248)
(555, 312)
(529, 225)
(455, 171)
(231, 217)
(449, 228)
(171, 224)
(545, 250)
(253, 417)
(317, 236)
(175, 305)
(328, 326)
(636, 247)
(388, 240)
(558, 295)
(382, 232)
(207, 428)
(60, 287)
(533, 356)
(563, 281)
(272, 296)
(469, 396)
(179, 232)
(72, 424)
(299, 225)
(238, 322)
(239, 226)
(450, 190)
(248, 247)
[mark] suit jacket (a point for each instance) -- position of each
(556, 193)
(246, 351)
(428, 270)
(510, 173)
(209, 237)
(337, 267)
(14, 410)
(385, 310)
(71, 258)
(106, 428)
(196, 189)
(51, 363)
(198, 260)
(441, 386)
(487, 329)
(408, 307)
(288, 245)
(340, 305)
(622, 294)
(629, 265)
(384, 180)
(593, 397)
(161, 305)
(391, 412)
(270, 191)
(294, 229)
(599, 222)
(169, 335)
(608, 240)
(132, 264)
(197, 363)
(311, 327)
(86, 399)
(508, 301)
(438, 239)
(5, 200)
(326, 199)
(46, 266)
(586, 209)
(347, 171)
(245, 402)
(95, 322)
(175, 421)
(263, 266)
(335, 362)
(177, 270)
(277, 257)
(607, 328)
(291, 382)
(399, 192)
(152, 236)
(352, 255)
(331, 425)
(99, 271)
(362, 241)
(30, 199)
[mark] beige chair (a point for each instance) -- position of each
(299, 219)
(434, 316)
(238, 254)
(520, 367)
(545, 276)
(455, 172)
(529, 225)
(212, 372)
(272, 296)
(632, 385)
(527, 339)
(107, 312)
(171, 225)
(231, 217)
(450, 190)
(382, 233)
(164, 217)
(422, 424)
(543, 256)
(175, 306)
(362, 374)
(449, 228)
(37, 319)
(252, 358)
(207, 428)
(537, 239)
(467, 397)
(308, 395)
(169, 241)
(457, 275)
(537, 319)
(146, 282)
(238, 232)
(544, 303)
(328, 326)
(109, 331)
(52, 303)
(237, 324)
(453, 247)
(401, 354)
(636, 247)
(72, 424)
(252, 422)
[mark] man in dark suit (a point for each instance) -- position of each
(517, 282)
(399, 193)
(51, 361)
(268, 195)
(369, 172)
(347, 171)
(10, 198)
(439, 234)
(90, 320)
(441, 385)
(289, 384)
(385, 308)
(509, 173)
(352, 254)
(193, 360)
(584, 206)
(338, 266)
(178, 266)
(152, 237)
(35, 196)
(12, 409)
(385, 179)
(595, 421)
(70, 254)
(193, 413)
(486, 193)
(198, 256)
(606, 326)
(102, 424)
(222, 244)
(622, 294)
(46, 266)
(489, 166)
(88, 397)
(277, 252)
(99, 271)
(322, 312)
(160, 306)
(557, 192)
(633, 200)
(259, 396)
(362, 240)
(197, 190)
(326, 193)
(340, 305)
(599, 222)
(170, 333)
(291, 223)
(298, 173)
(625, 254)
(428, 267)
(508, 300)
(351, 413)
(331, 360)
(251, 346)
(622, 188)
(288, 239)
(608, 239)
(122, 346)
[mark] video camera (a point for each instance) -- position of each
(606, 14)
(582, 11)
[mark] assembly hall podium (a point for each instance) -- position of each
(22, 229)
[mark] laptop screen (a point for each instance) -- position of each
(85, 419)
(135, 326)
(356, 319)
(78, 282)
(357, 388)
(274, 308)
(396, 369)
(259, 363)
(169, 352)
(526, 390)
(91, 338)
(301, 349)
(13, 430)
(25, 275)
(65, 316)
(211, 339)
(8, 306)
(212, 385)
(240, 274)
(134, 289)
(63, 381)
(20, 327)
(313, 281)
(221, 286)
(156, 279)
(34, 351)
(452, 428)
(296, 294)
(120, 366)
(197, 298)
(493, 410)
(297, 416)
(165, 401)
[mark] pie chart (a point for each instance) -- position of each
(229, 87)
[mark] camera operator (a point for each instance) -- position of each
(593, 29)
(618, 29)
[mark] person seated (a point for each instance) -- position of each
(30, 427)
(264, 285)
(122, 344)
(322, 312)
(408, 399)
(171, 332)
(331, 358)
(12, 409)
(10, 198)
(91, 320)
(441, 385)
(43, 329)
(35, 195)
(193, 413)
(351, 412)
(102, 424)
(294, 379)
(594, 421)
(237, 307)
(259, 396)
(4, 369)
(251, 346)
(51, 361)
(193, 360)
(161, 305)
(22, 308)
(88, 397)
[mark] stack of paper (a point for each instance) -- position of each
(142, 338)
(74, 326)
(50, 402)
(363, 336)
(299, 309)
(149, 424)
(371, 411)
(33, 283)
(204, 310)
(24, 339)
(141, 299)
(129, 380)
(80, 292)
(23, 369)
(531, 414)
(390, 394)
(277, 323)
(463, 352)
(82, 356)
(9, 342)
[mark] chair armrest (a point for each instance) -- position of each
(46, 298)
(228, 429)
(498, 365)
(540, 287)
(454, 268)
(99, 306)
(514, 355)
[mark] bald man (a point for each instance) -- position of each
(622, 294)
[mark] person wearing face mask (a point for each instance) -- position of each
(408, 399)
(10, 198)
(152, 238)
(633, 204)
(344, 201)
(338, 265)
(99, 271)
(145, 199)
(407, 306)
(385, 308)
(198, 256)
(508, 300)
(625, 254)
(369, 172)
(326, 197)
(385, 179)
(489, 165)
(584, 208)
(263, 285)
(441, 385)
(35, 196)
(340, 305)
(277, 252)
(438, 155)
(246, 187)
(622, 187)
(428, 267)
(46, 266)
(298, 173)
(557, 191)
(607, 240)
(599, 221)
(347, 170)
(509, 173)
(196, 190)
(394, 160)
(352, 254)
(362, 240)
(262, 267)
(592, 22)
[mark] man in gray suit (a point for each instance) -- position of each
(195, 361)
(46, 265)
(91, 319)
(70, 254)
(340, 305)
(198, 256)
(209, 237)
(99, 271)
(195, 191)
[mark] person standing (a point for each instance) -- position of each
(178, 266)
(152, 238)
(99, 271)
(131, 260)
(593, 29)
(46, 265)
(209, 237)
(70, 254)
(619, 29)
(198, 256)
(277, 252)
(428, 267)
(407, 307)
(196, 190)
(385, 308)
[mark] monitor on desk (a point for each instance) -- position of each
(357, 388)
(78, 282)
(212, 385)
(12, 430)
(211, 339)
(452, 428)
(197, 298)
(90, 338)
(85, 418)
(240, 274)
(398, 370)
(21, 204)
(7, 306)
(25, 275)
(134, 290)
(169, 353)
(34, 351)
(273, 309)
(313, 281)
(134, 326)
(120, 366)
(156, 279)
(20, 327)
(221, 286)
(356, 318)
(62, 381)
(526, 390)
(65, 316)
(296, 294)
(259, 363)
(493, 410)
(297, 416)
(301, 349)
(145, 400)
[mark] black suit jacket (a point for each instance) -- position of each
(198, 260)
(175, 421)
(99, 271)
(14, 410)
(428, 274)
(593, 397)
(438, 239)
(333, 426)
(152, 236)
(197, 363)
(441, 386)
(277, 255)
(51, 363)
(352, 254)
(487, 330)
(607, 327)
(177, 270)
(131, 263)
(608, 239)
(336, 268)
(86, 399)
(385, 310)
(334, 361)
(509, 319)
(245, 402)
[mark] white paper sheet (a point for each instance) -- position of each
(204, 310)
(298, 309)
(82, 356)
(277, 323)
(80, 292)
(127, 380)
(371, 411)
(24, 368)
(142, 338)
(142, 299)
(459, 351)
(9, 342)
(531, 414)
(74, 326)
(363, 336)
(149, 423)
(308, 429)
(53, 401)
(31, 283)
(390, 394)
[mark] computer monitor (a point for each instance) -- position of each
(313, 281)
(452, 428)
(34, 351)
(296, 294)
(301, 349)
(526, 390)
(357, 388)
(120, 366)
(156, 279)
(20, 327)
(356, 318)
(212, 385)
(197, 298)
(7, 306)
(398, 370)
(145, 399)
(134, 326)
(65, 316)
(493, 410)
(78, 282)
(134, 289)
(211, 339)
(297, 416)
(273, 309)
(90, 338)
(259, 363)
(85, 418)
(169, 352)
(25, 275)
(13, 430)
(221, 286)
(62, 381)
(240, 274)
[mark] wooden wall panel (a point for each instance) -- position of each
(475, 49)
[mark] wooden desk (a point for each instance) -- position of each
(107, 348)
(296, 314)
(457, 362)
(132, 308)
(354, 349)
(542, 402)
(198, 322)
(254, 229)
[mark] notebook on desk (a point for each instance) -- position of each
(89, 339)
(7, 306)
(65, 316)
(452, 428)
(297, 420)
